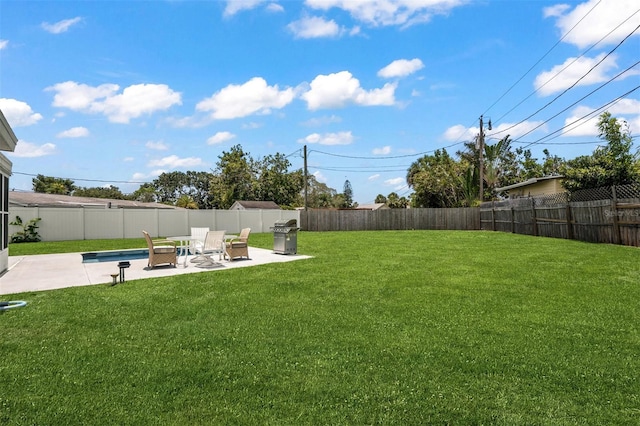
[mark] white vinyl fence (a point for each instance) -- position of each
(61, 224)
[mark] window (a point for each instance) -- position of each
(4, 213)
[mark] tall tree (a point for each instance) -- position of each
(111, 191)
(435, 181)
(145, 194)
(274, 181)
(233, 178)
(612, 164)
(319, 194)
(53, 185)
(348, 194)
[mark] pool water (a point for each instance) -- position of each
(114, 255)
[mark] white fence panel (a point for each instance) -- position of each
(70, 223)
(138, 220)
(103, 223)
(202, 219)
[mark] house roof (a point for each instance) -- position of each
(374, 206)
(264, 205)
(8, 139)
(527, 183)
(37, 199)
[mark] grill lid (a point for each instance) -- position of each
(286, 223)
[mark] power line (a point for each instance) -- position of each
(573, 85)
(594, 112)
(581, 99)
(534, 65)
(82, 180)
(563, 69)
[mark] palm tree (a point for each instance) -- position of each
(185, 201)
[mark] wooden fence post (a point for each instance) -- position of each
(513, 221)
(616, 226)
(533, 217)
(493, 215)
(569, 220)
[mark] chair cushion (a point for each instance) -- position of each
(164, 249)
(237, 244)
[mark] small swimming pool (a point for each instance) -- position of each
(114, 255)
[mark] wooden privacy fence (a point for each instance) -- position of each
(612, 221)
(389, 219)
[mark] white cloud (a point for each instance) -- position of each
(157, 145)
(60, 26)
(625, 109)
(397, 183)
(373, 177)
(555, 11)
(401, 68)
(275, 7)
(606, 16)
(385, 150)
(460, 133)
(133, 102)
(341, 89)
(339, 138)
(128, 159)
(139, 177)
(235, 6)
(389, 12)
(252, 97)
(320, 177)
(18, 113)
(503, 129)
(31, 150)
(321, 121)
(562, 76)
(174, 162)
(314, 27)
(74, 132)
(220, 137)
(4, 44)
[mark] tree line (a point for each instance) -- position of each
(441, 180)
(237, 176)
(437, 180)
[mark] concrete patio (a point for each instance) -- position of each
(54, 271)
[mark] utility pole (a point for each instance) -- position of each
(481, 157)
(305, 178)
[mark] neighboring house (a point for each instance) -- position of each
(254, 205)
(534, 187)
(38, 199)
(375, 206)
(8, 141)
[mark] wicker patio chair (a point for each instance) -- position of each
(161, 251)
(238, 247)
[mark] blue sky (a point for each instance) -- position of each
(117, 92)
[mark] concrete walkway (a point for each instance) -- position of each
(53, 271)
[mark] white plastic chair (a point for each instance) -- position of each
(213, 244)
(200, 234)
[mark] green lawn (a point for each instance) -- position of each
(408, 327)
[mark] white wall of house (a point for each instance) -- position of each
(5, 172)
(68, 223)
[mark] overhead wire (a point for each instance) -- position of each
(537, 62)
(562, 70)
(591, 113)
(580, 100)
(572, 86)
